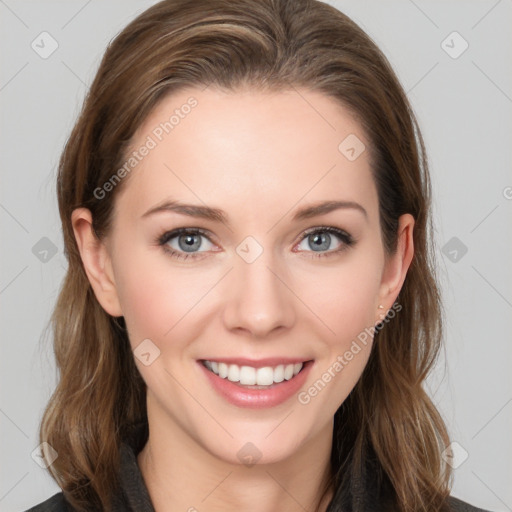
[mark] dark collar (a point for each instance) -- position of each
(133, 494)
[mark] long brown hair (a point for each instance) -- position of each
(387, 424)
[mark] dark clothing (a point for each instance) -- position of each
(134, 497)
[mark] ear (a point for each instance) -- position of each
(96, 260)
(396, 265)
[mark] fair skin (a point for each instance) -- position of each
(259, 157)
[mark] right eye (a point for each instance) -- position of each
(183, 242)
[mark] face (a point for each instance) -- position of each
(282, 259)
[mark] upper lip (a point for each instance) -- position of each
(258, 363)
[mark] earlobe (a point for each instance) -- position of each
(96, 261)
(397, 264)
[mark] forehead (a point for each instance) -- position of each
(249, 149)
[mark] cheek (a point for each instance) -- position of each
(343, 296)
(159, 300)
(345, 303)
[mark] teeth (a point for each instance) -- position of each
(249, 376)
(233, 373)
(223, 370)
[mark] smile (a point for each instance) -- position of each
(250, 387)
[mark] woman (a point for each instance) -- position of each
(251, 308)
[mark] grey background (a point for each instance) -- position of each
(464, 106)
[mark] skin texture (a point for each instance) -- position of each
(258, 156)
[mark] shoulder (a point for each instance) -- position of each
(57, 503)
(457, 505)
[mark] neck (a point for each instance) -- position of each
(181, 475)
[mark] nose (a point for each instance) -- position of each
(258, 298)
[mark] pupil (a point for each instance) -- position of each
(189, 242)
(321, 241)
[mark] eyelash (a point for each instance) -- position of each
(162, 240)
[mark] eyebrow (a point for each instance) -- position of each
(218, 215)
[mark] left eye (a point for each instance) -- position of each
(320, 239)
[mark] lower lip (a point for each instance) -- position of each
(274, 395)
